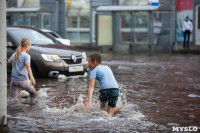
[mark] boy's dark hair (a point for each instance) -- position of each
(95, 57)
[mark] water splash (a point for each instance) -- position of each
(24, 94)
(123, 108)
(42, 92)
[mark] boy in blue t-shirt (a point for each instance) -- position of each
(109, 89)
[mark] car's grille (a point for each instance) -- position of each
(70, 61)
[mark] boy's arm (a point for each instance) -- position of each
(90, 93)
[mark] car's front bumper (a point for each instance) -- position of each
(53, 69)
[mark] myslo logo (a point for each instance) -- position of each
(185, 129)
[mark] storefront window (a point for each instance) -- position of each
(162, 34)
(126, 20)
(73, 36)
(30, 19)
(45, 21)
(135, 27)
(84, 22)
(84, 36)
(20, 19)
(141, 27)
(72, 22)
(78, 22)
(142, 19)
(133, 2)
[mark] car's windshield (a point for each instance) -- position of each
(35, 37)
(53, 34)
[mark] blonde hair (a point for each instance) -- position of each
(23, 44)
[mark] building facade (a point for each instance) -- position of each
(130, 26)
(78, 21)
(119, 25)
(42, 14)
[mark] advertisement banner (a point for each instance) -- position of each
(184, 9)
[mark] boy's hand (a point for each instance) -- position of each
(88, 105)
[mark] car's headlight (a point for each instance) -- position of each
(84, 55)
(49, 57)
(84, 58)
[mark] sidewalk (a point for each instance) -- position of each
(177, 49)
(192, 50)
(86, 47)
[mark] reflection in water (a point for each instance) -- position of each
(156, 93)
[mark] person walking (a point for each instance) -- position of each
(21, 69)
(187, 29)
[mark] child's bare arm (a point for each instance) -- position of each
(28, 67)
(91, 89)
(8, 63)
(90, 93)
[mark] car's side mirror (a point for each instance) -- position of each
(9, 44)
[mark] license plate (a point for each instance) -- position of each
(76, 69)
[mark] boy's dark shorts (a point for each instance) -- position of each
(110, 95)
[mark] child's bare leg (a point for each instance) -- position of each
(29, 88)
(111, 110)
(102, 104)
(14, 90)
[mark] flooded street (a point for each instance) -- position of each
(157, 93)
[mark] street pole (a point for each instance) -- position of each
(3, 66)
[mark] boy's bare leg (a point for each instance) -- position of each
(102, 104)
(111, 110)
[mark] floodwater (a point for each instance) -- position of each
(157, 93)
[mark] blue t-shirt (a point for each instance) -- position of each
(19, 71)
(105, 77)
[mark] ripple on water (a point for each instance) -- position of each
(193, 95)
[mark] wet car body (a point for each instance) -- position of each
(47, 60)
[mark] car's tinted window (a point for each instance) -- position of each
(54, 35)
(34, 36)
(9, 39)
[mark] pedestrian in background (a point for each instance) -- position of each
(157, 30)
(187, 29)
(21, 69)
(109, 89)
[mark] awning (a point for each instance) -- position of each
(126, 8)
(27, 10)
(74, 11)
